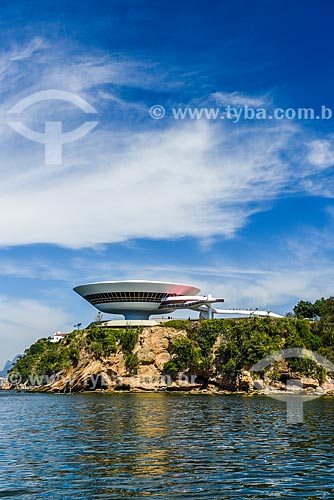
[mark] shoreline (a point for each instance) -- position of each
(301, 393)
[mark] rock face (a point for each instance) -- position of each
(309, 382)
(245, 382)
(6, 386)
(154, 347)
(328, 386)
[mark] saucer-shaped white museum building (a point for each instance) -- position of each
(138, 300)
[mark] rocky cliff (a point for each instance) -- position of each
(152, 350)
(208, 355)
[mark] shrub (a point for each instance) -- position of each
(102, 341)
(132, 363)
(230, 368)
(242, 342)
(187, 354)
(178, 324)
(128, 340)
(170, 368)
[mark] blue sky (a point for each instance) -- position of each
(244, 210)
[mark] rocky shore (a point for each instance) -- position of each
(153, 349)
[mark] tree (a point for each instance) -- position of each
(304, 309)
(320, 306)
(326, 326)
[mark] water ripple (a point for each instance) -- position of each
(99, 446)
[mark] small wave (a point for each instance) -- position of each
(14, 493)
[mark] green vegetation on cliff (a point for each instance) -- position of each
(46, 358)
(240, 342)
(203, 348)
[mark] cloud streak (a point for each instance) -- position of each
(189, 180)
(197, 179)
(22, 321)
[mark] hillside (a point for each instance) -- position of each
(180, 355)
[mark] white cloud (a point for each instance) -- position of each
(199, 179)
(237, 99)
(189, 179)
(299, 268)
(9, 59)
(321, 153)
(148, 180)
(20, 53)
(34, 268)
(109, 96)
(23, 321)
